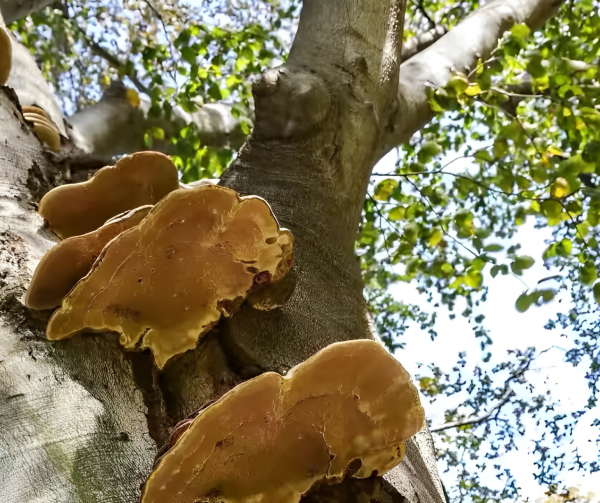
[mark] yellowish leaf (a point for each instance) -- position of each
(473, 90)
(555, 151)
(436, 237)
(133, 98)
(560, 188)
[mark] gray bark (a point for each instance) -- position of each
(12, 10)
(114, 127)
(31, 87)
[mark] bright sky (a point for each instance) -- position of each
(509, 330)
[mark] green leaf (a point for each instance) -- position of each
(473, 90)
(397, 213)
(597, 292)
(523, 303)
(493, 248)
(428, 151)
(384, 189)
(520, 31)
(519, 264)
(588, 273)
(458, 82)
(436, 237)
(473, 278)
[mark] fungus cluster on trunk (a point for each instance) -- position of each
(159, 265)
(346, 411)
(70, 260)
(161, 275)
(37, 119)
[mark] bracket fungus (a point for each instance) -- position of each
(136, 180)
(5, 56)
(166, 282)
(346, 411)
(43, 127)
(70, 260)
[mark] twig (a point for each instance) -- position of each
(439, 219)
(422, 10)
(171, 49)
(112, 60)
(477, 419)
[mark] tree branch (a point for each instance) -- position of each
(13, 10)
(459, 50)
(477, 419)
(113, 126)
(421, 41)
(421, 9)
(112, 60)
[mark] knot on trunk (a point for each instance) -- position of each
(290, 102)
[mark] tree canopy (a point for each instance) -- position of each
(525, 122)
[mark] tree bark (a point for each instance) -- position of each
(12, 10)
(114, 127)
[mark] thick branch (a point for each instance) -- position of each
(114, 127)
(421, 41)
(13, 10)
(475, 37)
(31, 87)
(476, 419)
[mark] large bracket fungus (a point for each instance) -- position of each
(70, 260)
(5, 56)
(164, 283)
(136, 180)
(346, 411)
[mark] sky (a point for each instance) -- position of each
(509, 329)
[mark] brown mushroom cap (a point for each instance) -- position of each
(136, 180)
(345, 411)
(43, 127)
(32, 109)
(70, 260)
(165, 282)
(5, 56)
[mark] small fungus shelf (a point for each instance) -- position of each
(136, 180)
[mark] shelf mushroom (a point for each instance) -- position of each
(167, 281)
(5, 56)
(43, 127)
(70, 260)
(136, 180)
(346, 411)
